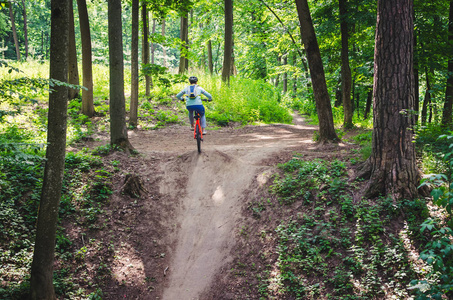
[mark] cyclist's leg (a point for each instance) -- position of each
(191, 110)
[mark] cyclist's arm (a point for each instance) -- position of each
(180, 94)
(206, 94)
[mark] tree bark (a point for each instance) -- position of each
(448, 105)
(277, 78)
(153, 31)
(393, 169)
(133, 115)
(73, 70)
(416, 82)
(184, 36)
(87, 67)
(321, 95)
(41, 282)
(369, 100)
(164, 50)
(118, 130)
(24, 13)
(346, 79)
(210, 64)
(145, 47)
(285, 75)
(228, 48)
(427, 99)
(13, 27)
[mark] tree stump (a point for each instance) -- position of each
(133, 186)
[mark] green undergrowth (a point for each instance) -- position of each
(326, 244)
(86, 189)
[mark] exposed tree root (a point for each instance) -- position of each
(133, 186)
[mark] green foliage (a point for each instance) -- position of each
(303, 180)
(438, 251)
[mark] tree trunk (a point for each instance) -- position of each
(41, 281)
(87, 67)
(294, 77)
(323, 106)
(427, 99)
(184, 36)
(13, 27)
(416, 82)
(164, 50)
(345, 69)
(277, 78)
(73, 70)
(369, 100)
(24, 12)
(133, 115)
(153, 31)
(210, 65)
(145, 47)
(393, 170)
(446, 116)
(228, 48)
(118, 130)
(285, 75)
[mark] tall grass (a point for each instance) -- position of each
(244, 101)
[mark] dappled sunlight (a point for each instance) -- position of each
(128, 267)
(218, 196)
(417, 264)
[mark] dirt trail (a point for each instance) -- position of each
(209, 189)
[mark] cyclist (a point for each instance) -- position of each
(191, 94)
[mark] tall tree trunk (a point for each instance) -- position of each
(153, 31)
(184, 36)
(164, 50)
(210, 65)
(41, 281)
(285, 75)
(24, 13)
(87, 66)
(279, 63)
(369, 100)
(133, 115)
(13, 27)
(73, 70)
(118, 130)
(346, 79)
(323, 106)
(392, 165)
(427, 99)
(228, 48)
(294, 77)
(416, 81)
(145, 47)
(448, 105)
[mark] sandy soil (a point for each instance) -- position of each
(207, 190)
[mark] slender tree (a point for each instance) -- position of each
(133, 115)
(210, 64)
(346, 78)
(87, 67)
(323, 106)
(24, 14)
(145, 46)
(164, 50)
(447, 112)
(73, 70)
(118, 129)
(13, 27)
(184, 36)
(391, 168)
(153, 48)
(228, 48)
(41, 281)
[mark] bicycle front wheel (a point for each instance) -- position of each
(198, 136)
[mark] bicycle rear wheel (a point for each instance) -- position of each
(198, 136)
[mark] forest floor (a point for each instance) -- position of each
(182, 238)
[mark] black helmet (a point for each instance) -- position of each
(193, 79)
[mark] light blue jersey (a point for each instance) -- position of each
(195, 101)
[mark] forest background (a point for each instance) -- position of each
(270, 77)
